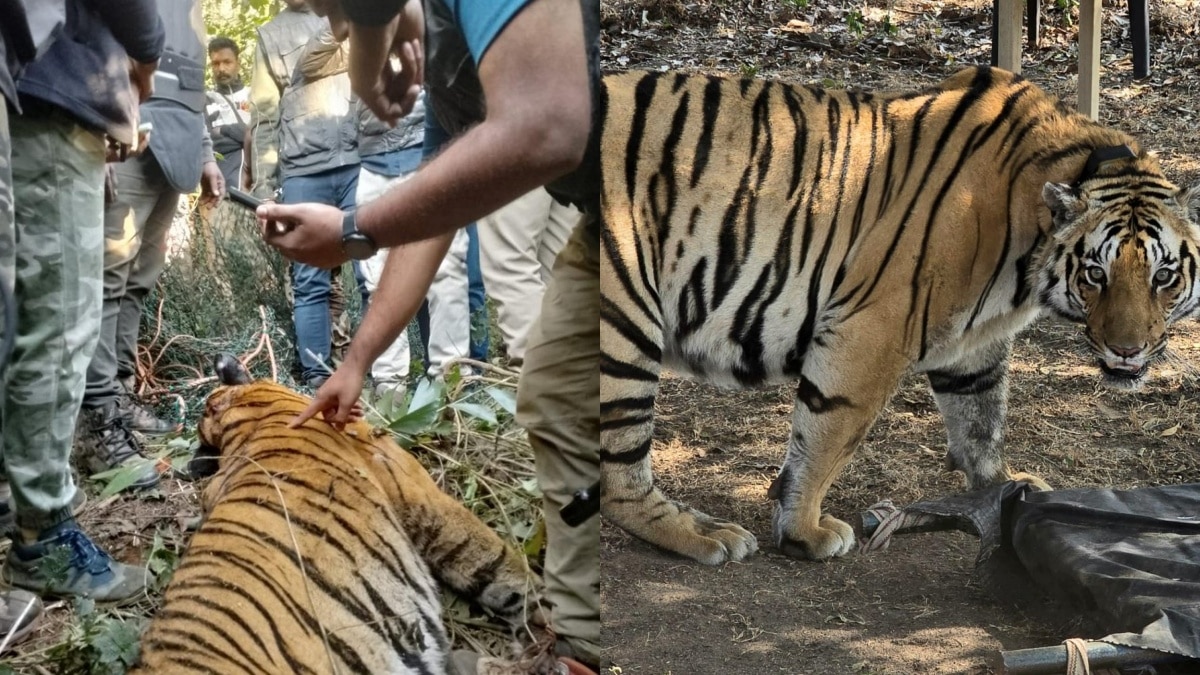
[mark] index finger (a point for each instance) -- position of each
(308, 413)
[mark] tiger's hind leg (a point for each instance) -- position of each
(973, 398)
(628, 385)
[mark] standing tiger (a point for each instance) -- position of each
(758, 232)
(319, 551)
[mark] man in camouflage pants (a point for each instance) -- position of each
(58, 154)
(19, 609)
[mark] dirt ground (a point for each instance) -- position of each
(912, 608)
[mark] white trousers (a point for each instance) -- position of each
(518, 245)
(449, 317)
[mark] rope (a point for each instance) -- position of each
(1077, 658)
(892, 520)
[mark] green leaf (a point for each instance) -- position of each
(182, 443)
(429, 392)
(416, 421)
(533, 545)
(423, 410)
(122, 477)
(117, 643)
(479, 412)
(505, 398)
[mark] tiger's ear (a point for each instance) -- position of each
(1189, 203)
(231, 371)
(1065, 202)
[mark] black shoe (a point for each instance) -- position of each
(142, 420)
(103, 441)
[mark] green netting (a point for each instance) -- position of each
(223, 291)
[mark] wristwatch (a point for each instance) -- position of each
(355, 244)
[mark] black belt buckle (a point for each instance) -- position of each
(585, 505)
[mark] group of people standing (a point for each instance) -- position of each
(330, 130)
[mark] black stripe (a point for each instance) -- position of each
(631, 456)
(611, 367)
(693, 309)
(711, 108)
(615, 317)
(808, 393)
(963, 384)
(643, 95)
(635, 403)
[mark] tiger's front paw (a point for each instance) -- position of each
(686, 531)
(829, 539)
(1037, 483)
(709, 540)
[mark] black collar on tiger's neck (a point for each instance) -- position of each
(1101, 155)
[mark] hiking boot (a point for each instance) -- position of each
(104, 441)
(143, 420)
(8, 517)
(19, 612)
(64, 562)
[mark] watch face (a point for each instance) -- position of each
(358, 247)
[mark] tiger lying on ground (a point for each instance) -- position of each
(319, 551)
(760, 232)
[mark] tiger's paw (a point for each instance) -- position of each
(696, 535)
(709, 540)
(831, 538)
(1037, 483)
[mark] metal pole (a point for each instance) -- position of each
(1053, 660)
(1139, 32)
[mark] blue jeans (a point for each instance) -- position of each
(435, 138)
(311, 285)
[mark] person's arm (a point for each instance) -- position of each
(135, 24)
(264, 126)
(535, 79)
(372, 12)
(405, 280)
(323, 56)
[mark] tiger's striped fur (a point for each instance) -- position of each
(319, 551)
(758, 232)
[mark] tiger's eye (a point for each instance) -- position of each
(1164, 276)
(1095, 274)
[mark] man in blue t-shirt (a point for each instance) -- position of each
(536, 62)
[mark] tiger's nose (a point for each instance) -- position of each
(1125, 352)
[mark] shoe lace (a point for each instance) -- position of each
(85, 554)
(120, 435)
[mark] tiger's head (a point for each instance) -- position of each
(237, 390)
(1123, 262)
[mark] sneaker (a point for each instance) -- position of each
(143, 420)
(8, 518)
(104, 442)
(19, 612)
(65, 562)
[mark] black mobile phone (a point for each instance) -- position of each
(243, 199)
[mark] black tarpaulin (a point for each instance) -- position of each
(1125, 563)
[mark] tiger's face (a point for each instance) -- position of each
(1123, 263)
(236, 389)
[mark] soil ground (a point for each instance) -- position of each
(914, 607)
